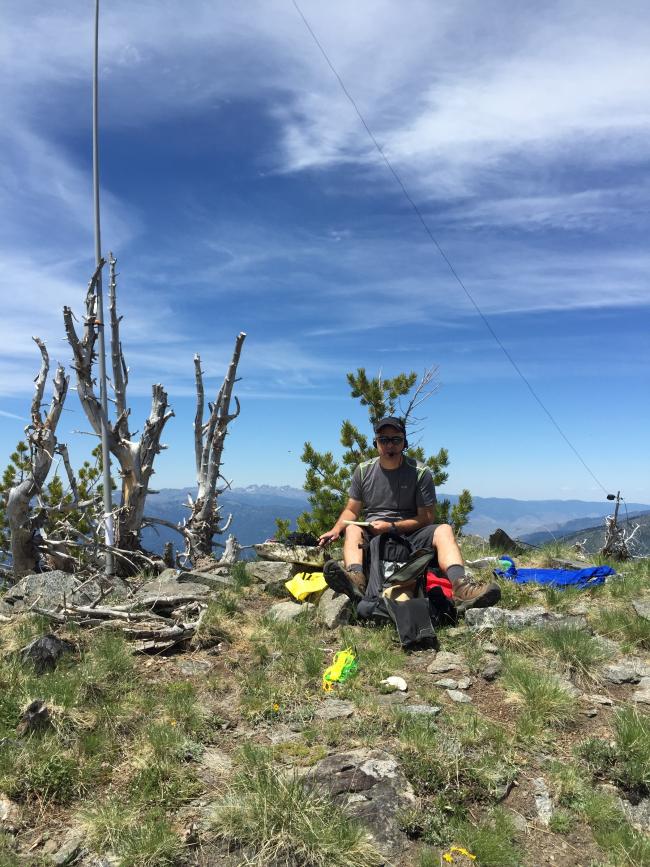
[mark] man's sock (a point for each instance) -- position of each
(355, 567)
(455, 573)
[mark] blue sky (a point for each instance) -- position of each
(240, 192)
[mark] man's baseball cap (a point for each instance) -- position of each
(392, 421)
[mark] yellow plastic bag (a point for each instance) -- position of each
(344, 664)
(304, 584)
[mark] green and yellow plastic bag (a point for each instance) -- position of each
(304, 584)
(344, 664)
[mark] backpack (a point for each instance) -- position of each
(401, 596)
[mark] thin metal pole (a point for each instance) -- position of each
(106, 458)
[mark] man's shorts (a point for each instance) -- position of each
(418, 539)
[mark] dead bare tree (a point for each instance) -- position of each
(209, 439)
(26, 544)
(135, 457)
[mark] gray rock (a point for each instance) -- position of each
(50, 590)
(164, 595)
(625, 671)
(464, 683)
(212, 580)
(311, 558)
(334, 609)
(194, 667)
(458, 696)
(492, 669)
(607, 645)
(642, 607)
(543, 802)
(10, 820)
(45, 652)
(283, 612)
(446, 683)
(642, 694)
(532, 615)
(445, 661)
(68, 852)
(283, 734)
(267, 572)
(372, 788)
(334, 708)
(599, 699)
(421, 709)
(390, 699)
(638, 815)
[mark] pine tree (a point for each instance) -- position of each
(327, 480)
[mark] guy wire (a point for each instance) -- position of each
(442, 253)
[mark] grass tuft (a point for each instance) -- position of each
(545, 701)
(285, 821)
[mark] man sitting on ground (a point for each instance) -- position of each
(396, 493)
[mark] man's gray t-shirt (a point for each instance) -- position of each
(392, 494)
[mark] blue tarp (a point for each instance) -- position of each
(583, 578)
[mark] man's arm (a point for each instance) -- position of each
(350, 513)
(404, 526)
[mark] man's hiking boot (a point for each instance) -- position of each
(470, 594)
(341, 580)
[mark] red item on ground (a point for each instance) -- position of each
(435, 580)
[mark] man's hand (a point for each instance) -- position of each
(377, 527)
(331, 536)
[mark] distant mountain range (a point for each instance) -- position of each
(592, 538)
(255, 508)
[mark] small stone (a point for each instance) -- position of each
(445, 661)
(589, 712)
(642, 695)
(532, 615)
(642, 607)
(464, 683)
(638, 815)
(599, 699)
(446, 683)
(421, 709)
(334, 609)
(492, 669)
(334, 708)
(284, 612)
(195, 667)
(68, 852)
(45, 652)
(458, 696)
(543, 802)
(9, 815)
(395, 682)
(391, 698)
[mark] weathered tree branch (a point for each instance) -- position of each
(41, 437)
(209, 440)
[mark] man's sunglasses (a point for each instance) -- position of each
(394, 441)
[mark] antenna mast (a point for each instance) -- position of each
(106, 458)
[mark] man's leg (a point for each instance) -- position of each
(350, 580)
(467, 593)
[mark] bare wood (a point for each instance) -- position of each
(198, 419)
(41, 437)
(209, 441)
(120, 370)
(135, 458)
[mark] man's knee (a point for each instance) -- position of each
(443, 534)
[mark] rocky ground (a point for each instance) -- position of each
(524, 739)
